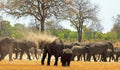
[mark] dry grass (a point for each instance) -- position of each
(75, 65)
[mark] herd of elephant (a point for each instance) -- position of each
(67, 52)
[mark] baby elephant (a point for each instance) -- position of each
(66, 57)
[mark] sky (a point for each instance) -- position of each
(108, 9)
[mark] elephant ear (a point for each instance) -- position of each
(111, 46)
(107, 44)
(64, 51)
(87, 46)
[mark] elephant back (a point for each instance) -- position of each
(78, 50)
(6, 41)
(67, 51)
(56, 47)
(110, 46)
(31, 44)
(66, 45)
(19, 44)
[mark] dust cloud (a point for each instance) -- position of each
(37, 37)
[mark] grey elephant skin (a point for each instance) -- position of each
(99, 48)
(55, 48)
(33, 53)
(6, 47)
(22, 46)
(66, 57)
(79, 51)
(117, 53)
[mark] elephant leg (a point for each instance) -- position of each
(101, 58)
(28, 54)
(49, 58)
(3, 56)
(64, 63)
(16, 55)
(32, 55)
(109, 58)
(44, 56)
(68, 62)
(72, 58)
(116, 58)
(21, 54)
(10, 56)
(63, 60)
(78, 57)
(88, 57)
(104, 57)
(36, 55)
(113, 58)
(94, 58)
(84, 56)
(56, 61)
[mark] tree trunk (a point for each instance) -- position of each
(42, 25)
(80, 31)
(94, 34)
(79, 36)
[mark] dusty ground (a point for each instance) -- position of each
(75, 65)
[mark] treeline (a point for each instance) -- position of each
(20, 31)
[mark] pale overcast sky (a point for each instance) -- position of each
(108, 9)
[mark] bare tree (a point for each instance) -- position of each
(38, 9)
(95, 27)
(116, 26)
(84, 11)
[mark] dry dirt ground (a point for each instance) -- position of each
(75, 65)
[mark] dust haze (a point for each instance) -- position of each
(37, 37)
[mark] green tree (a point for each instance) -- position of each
(99, 35)
(110, 36)
(66, 33)
(87, 33)
(53, 27)
(5, 28)
(73, 35)
(19, 31)
(96, 28)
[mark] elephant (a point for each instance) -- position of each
(98, 48)
(54, 48)
(79, 51)
(38, 53)
(117, 53)
(22, 46)
(6, 47)
(70, 45)
(109, 55)
(66, 57)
